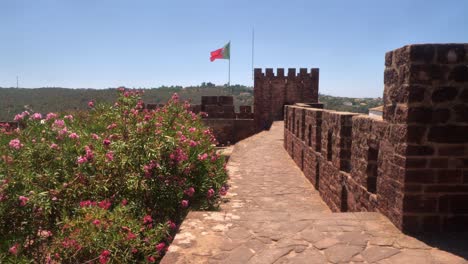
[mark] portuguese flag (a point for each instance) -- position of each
(222, 53)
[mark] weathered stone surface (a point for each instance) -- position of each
(326, 243)
(311, 236)
(239, 255)
(354, 238)
(270, 255)
(378, 253)
(342, 253)
(282, 219)
(413, 257)
(309, 256)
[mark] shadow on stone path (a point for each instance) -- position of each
(274, 215)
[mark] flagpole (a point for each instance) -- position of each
(229, 71)
(253, 39)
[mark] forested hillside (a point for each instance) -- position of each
(44, 100)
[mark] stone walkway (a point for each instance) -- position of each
(274, 215)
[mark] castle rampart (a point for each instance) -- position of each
(412, 166)
(272, 92)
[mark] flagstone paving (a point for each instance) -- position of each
(274, 215)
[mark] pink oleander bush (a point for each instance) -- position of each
(105, 186)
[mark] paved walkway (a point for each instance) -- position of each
(274, 215)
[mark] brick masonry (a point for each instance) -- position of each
(412, 166)
(272, 92)
(228, 126)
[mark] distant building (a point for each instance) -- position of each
(348, 103)
(376, 111)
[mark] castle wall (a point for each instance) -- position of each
(412, 166)
(228, 126)
(272, 92)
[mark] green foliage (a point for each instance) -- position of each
(106, 184)
(349, 104)
(45, 100)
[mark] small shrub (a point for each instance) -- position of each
(107, 185)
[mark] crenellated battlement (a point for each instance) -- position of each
(280, 73)
(412, 165)
(272, 92)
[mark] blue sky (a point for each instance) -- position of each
(108, 43)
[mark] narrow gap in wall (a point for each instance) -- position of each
(309, 136)
(292, 149)
(292, 121)
(344, 199)
(372, 169)
(303, 127)
(329, 146)
(317, 175)
(297, 128)
(302, 160)
(318, 136)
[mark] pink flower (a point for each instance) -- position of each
(74, 136)
(131, 236)
(96, 222)
(59, 123)
(112, 126)
(91, 104)
(36, 116)
(160, 247)
(223, 191)
(44, 233)
(151, 259)
(171, 225)
(105, 204)
(193, 143)
(148, 169)
(15, 144)
(202, 157)
(192, 129)
(69, 117)
(147, 219)
(175, 97)
(190, 191)
(124, 202)
(89, 153)
(134, 250)
(86, 203)
(104, 257)
(210, 193)
(62, 131)
(21, 116)
(23, 200)
(81, 160)
(184, 203)
(14, 249)
(110, 156)
(106, 142)
(94, 136)
(54, 146)
(51, 116)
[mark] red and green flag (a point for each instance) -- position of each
(222, 53)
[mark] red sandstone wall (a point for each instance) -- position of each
(412, 166)
(228, 126)
(272, 92)
(229, 131)
(332, 149)
(426, 90)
